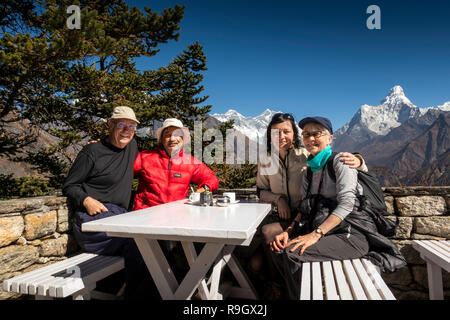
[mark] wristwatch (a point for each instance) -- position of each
(319, 231)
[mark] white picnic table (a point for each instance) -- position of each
(219, 228)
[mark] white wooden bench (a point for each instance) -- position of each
(76, 277)
(356, 279)
(437, 256)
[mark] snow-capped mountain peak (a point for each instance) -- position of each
(394, 109)
(371, 121)
(233, 113)
(252, 127)
(395, 96)
(445, 106)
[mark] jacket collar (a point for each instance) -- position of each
(164, 154)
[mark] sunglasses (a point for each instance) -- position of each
(124, 126)
(285, 115)
(315, 134)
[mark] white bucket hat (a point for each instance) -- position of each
(123, 112)
(172, 122)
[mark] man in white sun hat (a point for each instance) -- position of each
(99, 185)
(165, 174)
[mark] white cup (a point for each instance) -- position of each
(230, 195)
(194, 197)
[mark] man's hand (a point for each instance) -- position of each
(93, 141)
(350, 159)
(283, 208)
(93, 206)
(280, 242)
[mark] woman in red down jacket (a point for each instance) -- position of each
(165, 174)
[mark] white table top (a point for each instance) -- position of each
(181, 221)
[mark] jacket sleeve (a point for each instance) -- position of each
(203, 175)
(138, 165)
(78, 174)
(363, 166)
(263, 186)
(346, 185)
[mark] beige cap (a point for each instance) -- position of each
(123, 112)
(172, 122)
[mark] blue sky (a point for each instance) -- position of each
(313, 57)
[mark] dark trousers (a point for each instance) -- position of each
(331, 247)
(139, 284)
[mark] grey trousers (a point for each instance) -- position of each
(330, 247)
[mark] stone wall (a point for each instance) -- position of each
(35, 232)
(423, 213)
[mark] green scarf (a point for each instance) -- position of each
(316, 163)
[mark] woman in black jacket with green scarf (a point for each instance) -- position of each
(333, 227)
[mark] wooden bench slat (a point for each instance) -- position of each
(90, 273)
(46, 277)
(344, 289)
(305, 286)
(317, 290)
(330, 286)
(443, 247)
(58, 279)
(13, 284)
(356, 279)
(446, 243)
(76, 284)
(365, 280)
(428, 251)
(42, 287)
(355, 286)
(379, 283)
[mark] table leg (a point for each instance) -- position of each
(212, 253)
(163, 275)
(158, 267)
(191, 256)
(215, 279)
(246, 289)
(198, 270)
(435, 281)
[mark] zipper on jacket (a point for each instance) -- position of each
(287, 178)
(168, 177)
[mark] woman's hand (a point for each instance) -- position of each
(280, 242)
(350, 159)
(304, 241)
(283, 208)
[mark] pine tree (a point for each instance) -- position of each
(67, 81)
